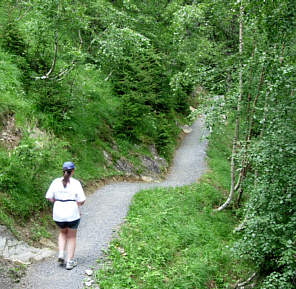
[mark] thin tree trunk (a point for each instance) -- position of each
(248, 138)
(242, 170)
(238, 110)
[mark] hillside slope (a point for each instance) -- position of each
(80, 83)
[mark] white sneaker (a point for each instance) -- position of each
(71, 264)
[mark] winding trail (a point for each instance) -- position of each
(105, 210)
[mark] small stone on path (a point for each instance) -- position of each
(88, 282)
(186, 129)
(89, 272)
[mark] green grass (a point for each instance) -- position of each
(173, 239)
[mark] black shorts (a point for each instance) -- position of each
(70, 225)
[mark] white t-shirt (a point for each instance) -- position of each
(65, 208)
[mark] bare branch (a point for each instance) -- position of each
(109, 75)
(241, 225)
(46, 76)
(81, 41)
(239, 285)
(249, 135)
(62, 74)
(64, 71)
(240, 177)
(55, 56)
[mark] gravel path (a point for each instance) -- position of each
(105, 210)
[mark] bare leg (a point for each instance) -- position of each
(62, 240)
(71, 243)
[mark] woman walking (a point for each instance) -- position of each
(67, 195)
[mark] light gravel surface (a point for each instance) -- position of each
(105, 210)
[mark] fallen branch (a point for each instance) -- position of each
(241, 285)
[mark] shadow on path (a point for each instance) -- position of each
(105, 210)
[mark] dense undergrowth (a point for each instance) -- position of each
(172, 238)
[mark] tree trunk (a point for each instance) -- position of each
(238, 110)
(244, 163)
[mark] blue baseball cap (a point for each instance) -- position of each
(68, 166)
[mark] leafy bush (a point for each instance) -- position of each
(269, 235)
(26, 173)
(11, 86)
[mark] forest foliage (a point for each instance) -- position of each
(79, 78)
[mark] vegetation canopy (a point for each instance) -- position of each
(99, 81)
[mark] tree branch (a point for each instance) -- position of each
(80, 38)
(248, 137)
(109, 75)
(46, 76)
(64, 71)
(240, 226)
(239, 285)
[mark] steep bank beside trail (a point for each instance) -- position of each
(105, 210)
